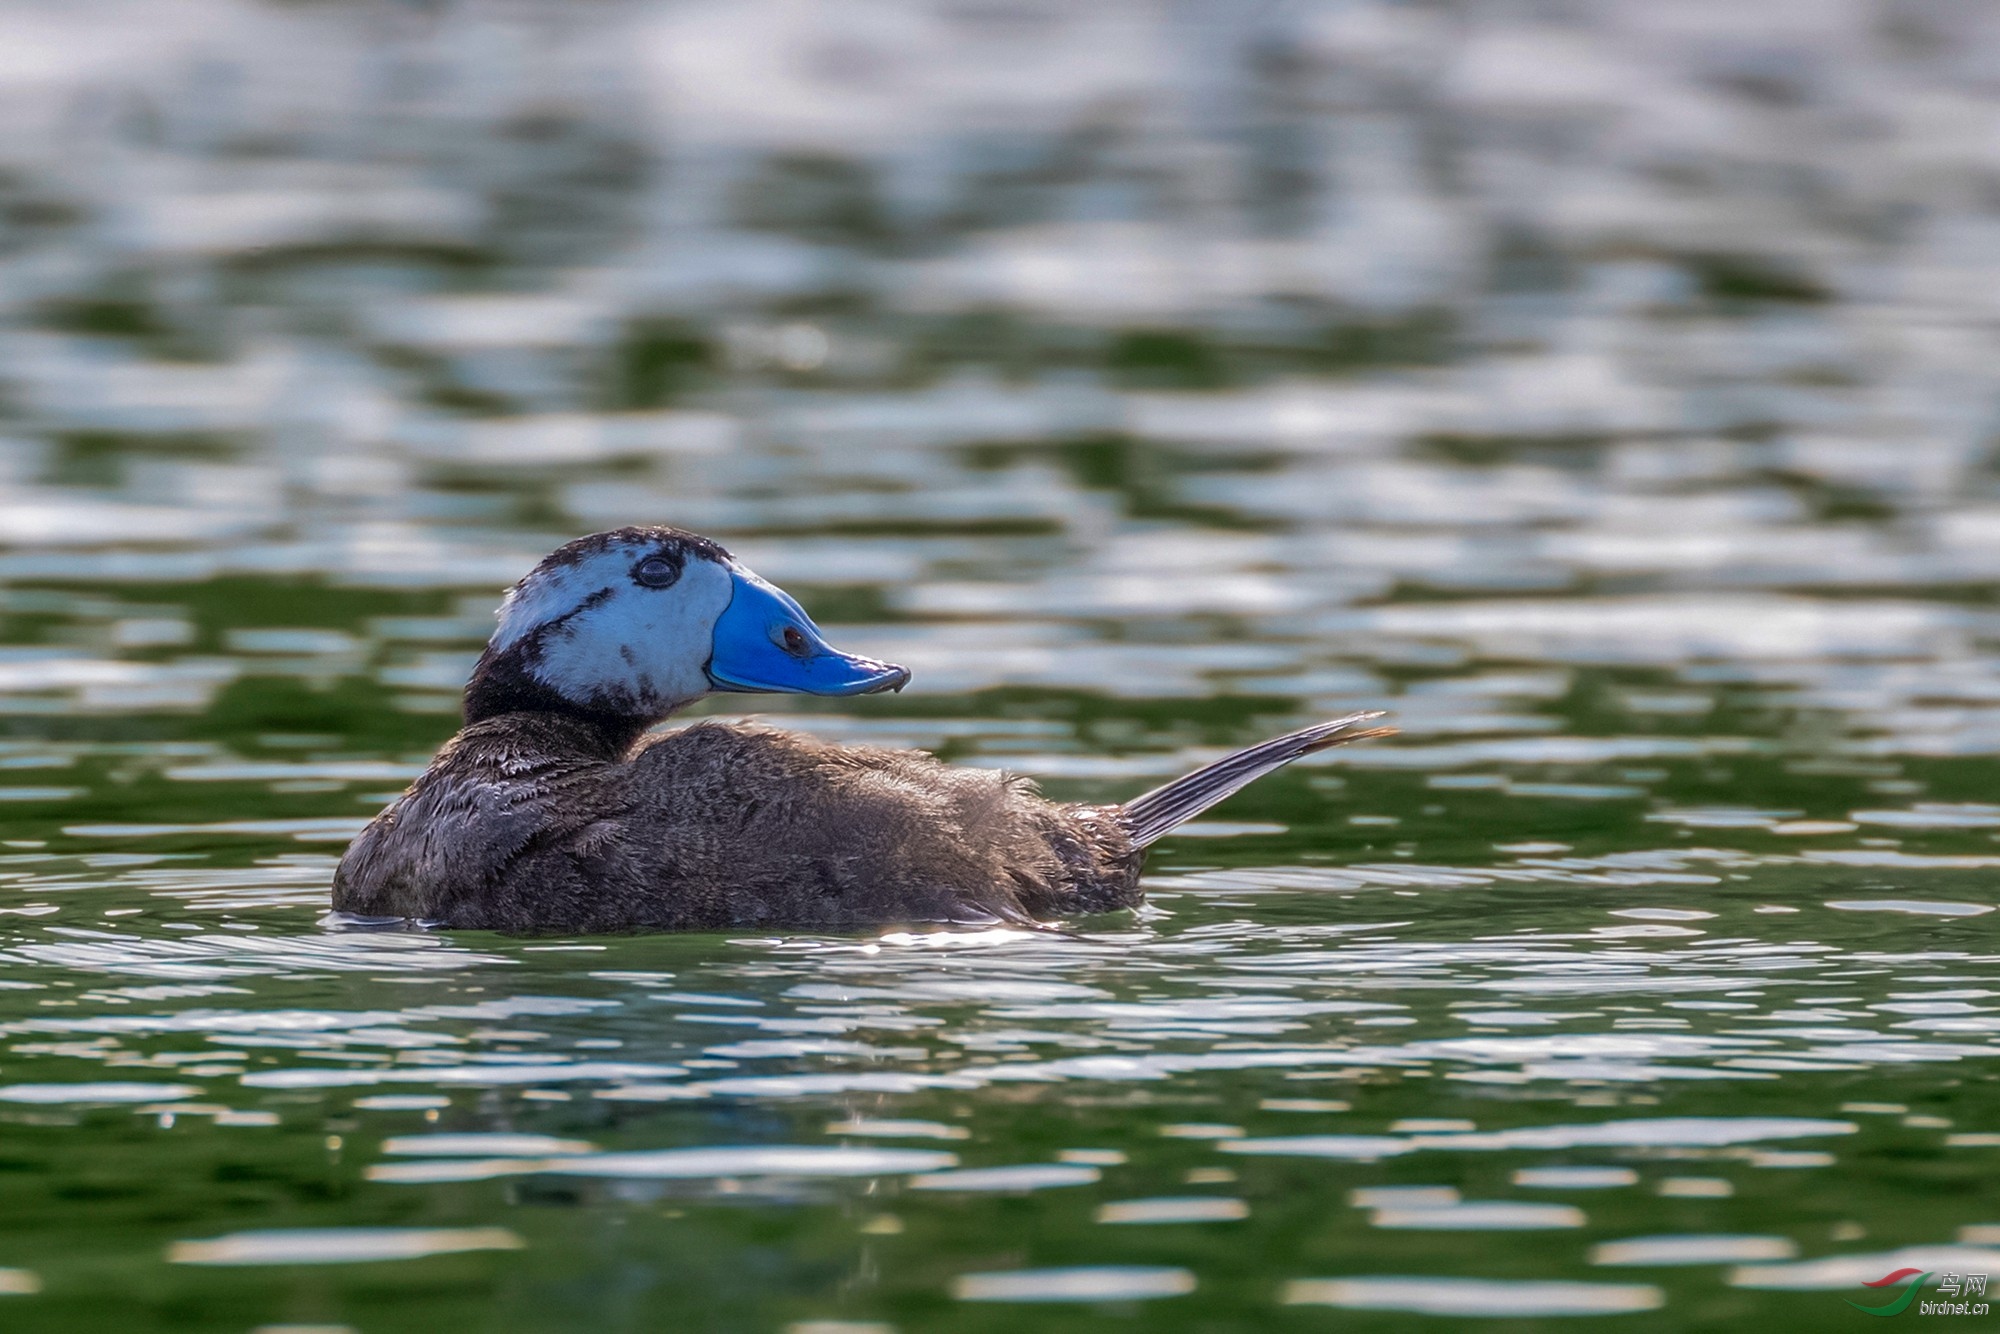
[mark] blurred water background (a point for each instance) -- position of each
(1609, 388)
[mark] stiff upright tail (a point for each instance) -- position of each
(1148, 817)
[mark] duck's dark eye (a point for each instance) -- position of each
(656, 572)
(795, 640)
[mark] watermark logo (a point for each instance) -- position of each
(1955, 1290)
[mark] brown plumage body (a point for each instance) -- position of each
(536, 822)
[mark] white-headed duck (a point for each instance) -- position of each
(555, 810)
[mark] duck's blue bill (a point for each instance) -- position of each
(753, 652)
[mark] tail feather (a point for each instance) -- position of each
(1148, 817)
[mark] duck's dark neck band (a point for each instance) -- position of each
(501, 684)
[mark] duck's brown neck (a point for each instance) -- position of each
(543, 737)
(501, 686)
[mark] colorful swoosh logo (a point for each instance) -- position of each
(1902, 1300)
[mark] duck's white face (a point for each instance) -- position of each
(638, 622)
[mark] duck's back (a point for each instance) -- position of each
(520, 826)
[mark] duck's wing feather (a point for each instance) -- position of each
(758, 823)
